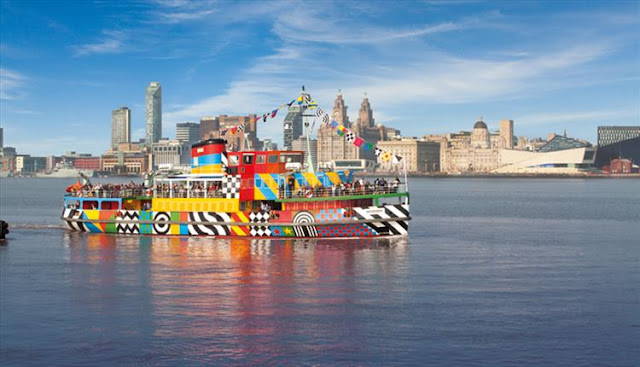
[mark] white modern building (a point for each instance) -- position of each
(174, 154)
(561, 155)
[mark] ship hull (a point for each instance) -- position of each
(371, 221)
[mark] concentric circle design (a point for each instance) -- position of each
(161, 223)
(305, 231)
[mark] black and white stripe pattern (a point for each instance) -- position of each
(224, 160)
(209, 229)
(394, 227)
(305, 231)
(74, 214)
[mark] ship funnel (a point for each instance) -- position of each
(209, 157)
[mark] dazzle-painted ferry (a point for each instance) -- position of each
(250, 193)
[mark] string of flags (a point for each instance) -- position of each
(305, 100)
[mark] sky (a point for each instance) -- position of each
(427, 67)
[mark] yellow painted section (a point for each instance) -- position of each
(243, 217)
(267, 182)
(175, 229)
(211, 168)
(333, 176)
(195, 204)
(92, 214)
(237, 231)
(312, 179)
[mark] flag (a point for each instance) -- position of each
(264, 117)
(240, 127)
(368, 146)
(334, 124)
(340, 132)
(320, 112)
(312, 105)
(274, 113)
(350, 137)
(377, 151)
(358, 141)
(234, 130)
(396, 159)
(326, 118)
(290, 103)
(223, 132)
(386, 156)
(300, 99)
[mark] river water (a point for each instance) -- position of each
(531, 272)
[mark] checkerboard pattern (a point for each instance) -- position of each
(259, 230)
(345, 230)
(231, 186)
(330, 215)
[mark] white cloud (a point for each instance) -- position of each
(575, 116)
(11, 84)
(112, 42)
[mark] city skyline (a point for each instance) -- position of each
(428, 68)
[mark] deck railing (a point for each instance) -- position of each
(303, 192)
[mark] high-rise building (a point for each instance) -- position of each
(188, 132)
(1, 138)
(120, 127)
(614, 134)
(292, 126)
(209, 127)
(153, 117)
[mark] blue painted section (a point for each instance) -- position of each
(300, 179)
(205, 160)
(324, 179)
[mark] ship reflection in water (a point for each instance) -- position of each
(243, 301)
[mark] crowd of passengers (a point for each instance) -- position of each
(107, 190)
(358, 187)
(214, 189)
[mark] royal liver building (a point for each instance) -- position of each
(332, 146)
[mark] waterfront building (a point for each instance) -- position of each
(8, 161)
(209, 127)
(300, 144)
(87, 163)
(26, 164)
(188, 132)
(171, 154)
(608, 135)
(419, 156)
(561, 155)
(475, 151)
(120, 126)
(292, 125)
(153, 117)
(506, 132)
(332, 146)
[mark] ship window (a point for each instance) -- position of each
(247, 159)
(90, 204)
(261, 159)
(109, 205)
(234, 160)
(273, 158)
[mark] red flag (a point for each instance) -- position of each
(358, 142)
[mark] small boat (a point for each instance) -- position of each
(264, 194)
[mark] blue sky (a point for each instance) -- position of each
(427, 66)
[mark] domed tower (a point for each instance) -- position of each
(480, 135)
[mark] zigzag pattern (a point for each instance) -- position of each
(76, 215)
(123, 219)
